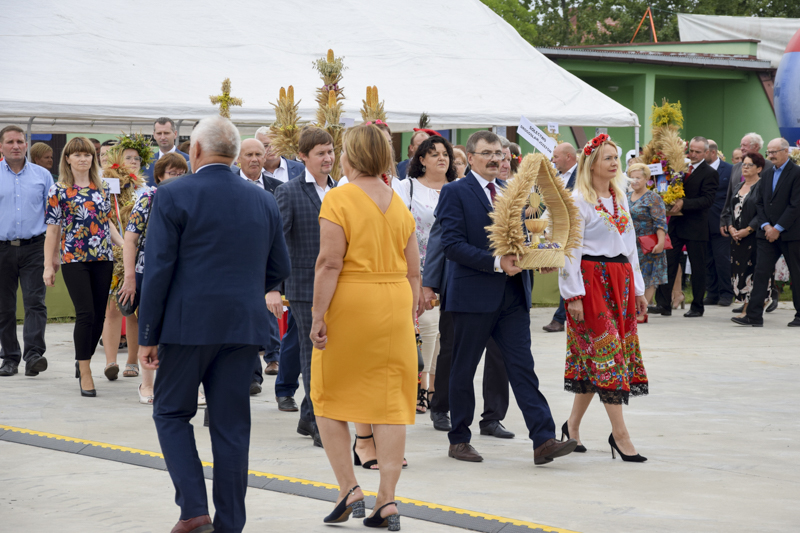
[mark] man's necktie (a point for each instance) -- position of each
(492, 190)
(691, 169)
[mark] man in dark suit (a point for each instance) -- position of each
(276, 166)
(165, 133)
(202, 318)
(251, 168)
(688, 226)
(300, 200)
(488, 297)
(778, 212)
(718, 254)
(495, 380)
(416, 139)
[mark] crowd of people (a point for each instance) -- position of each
(391, 289)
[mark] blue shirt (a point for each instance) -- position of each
(775, 178)
(23, 198)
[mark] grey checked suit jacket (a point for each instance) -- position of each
(300, 205)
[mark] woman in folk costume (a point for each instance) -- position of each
(604, 291)
(124, 163)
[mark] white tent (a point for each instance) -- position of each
(773, 32)
(100, 66)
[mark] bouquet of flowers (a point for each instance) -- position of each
(667, 149)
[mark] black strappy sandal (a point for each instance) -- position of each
(357, 460)
(376, 520)
(422, 401)
(341, 513)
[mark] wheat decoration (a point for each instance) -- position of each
(329, 103)
(284, 131)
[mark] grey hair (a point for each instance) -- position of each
(263, 130)
(504, 143)
(756, 138)
(783, 142)
(700, 140)
(217, 135)
(484, 135)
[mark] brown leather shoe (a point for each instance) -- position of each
(198, 524)
(464, 452)
(553, 327)
(272, 369)
(552, 449)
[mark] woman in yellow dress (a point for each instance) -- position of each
(364, 364)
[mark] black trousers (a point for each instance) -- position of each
(88, 285)
(495, 378)
(22, 265)
(225, 370)
(697, 257)
(768, 255)
(718, 268)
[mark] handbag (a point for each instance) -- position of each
(648, 242)
(420, 362)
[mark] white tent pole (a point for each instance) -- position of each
(636, 139)
(28, 137)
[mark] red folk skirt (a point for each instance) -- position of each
(603, 353)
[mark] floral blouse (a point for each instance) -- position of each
(422, 208)
(137, 223)
(83, 214)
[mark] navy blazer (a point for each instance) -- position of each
(472, 284)
(299, 205)
(151, 168)
(714, 213)
(214, 249)
(402, 169)
(295, 168)
(781, 206)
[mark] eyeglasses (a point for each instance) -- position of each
(174, 173)
(133, 158)
(773, 152)
(491, 155)
(747, 165)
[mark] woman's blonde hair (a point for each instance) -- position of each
(80, 145)
(639, 166)
(583, 180)
(38, 151)
(368, 151)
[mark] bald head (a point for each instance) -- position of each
(251, 158)
(564, 157)
(778, 151)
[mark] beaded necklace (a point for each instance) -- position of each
(620, 222)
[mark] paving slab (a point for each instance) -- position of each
(720, 429)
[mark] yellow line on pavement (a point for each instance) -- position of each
(420, 503)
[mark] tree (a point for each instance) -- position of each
(517, 13)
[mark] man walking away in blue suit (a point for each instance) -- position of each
(719, 288)
(488, 297)
(165, 133)
(202, 317)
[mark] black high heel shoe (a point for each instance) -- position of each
(376, 520)
(341, 513)
(580, 448)
(632, 458)
(357, 460)
(89, 393)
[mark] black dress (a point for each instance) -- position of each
(744, 253)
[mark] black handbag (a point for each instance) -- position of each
(127, 309)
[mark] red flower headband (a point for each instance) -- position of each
(376, 122)
(594, 143)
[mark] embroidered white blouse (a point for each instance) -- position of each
(600, 237)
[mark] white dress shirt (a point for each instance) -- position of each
(259, 181)
(715, 164)
(320, 191)
(281, 173)
(160, 153)
(484, 182)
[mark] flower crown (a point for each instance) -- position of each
(376, 122)
(138, 142)
(594, 143)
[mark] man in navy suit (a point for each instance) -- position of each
(300, 200)
(488, 297)
(165, 133)
(215, 248)
(718, 259)
(416, 140)
(276, 166)
(779, 234)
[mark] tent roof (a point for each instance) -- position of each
(123, 64)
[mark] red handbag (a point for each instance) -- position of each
(648, 242)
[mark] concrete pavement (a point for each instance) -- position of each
(719, 427)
